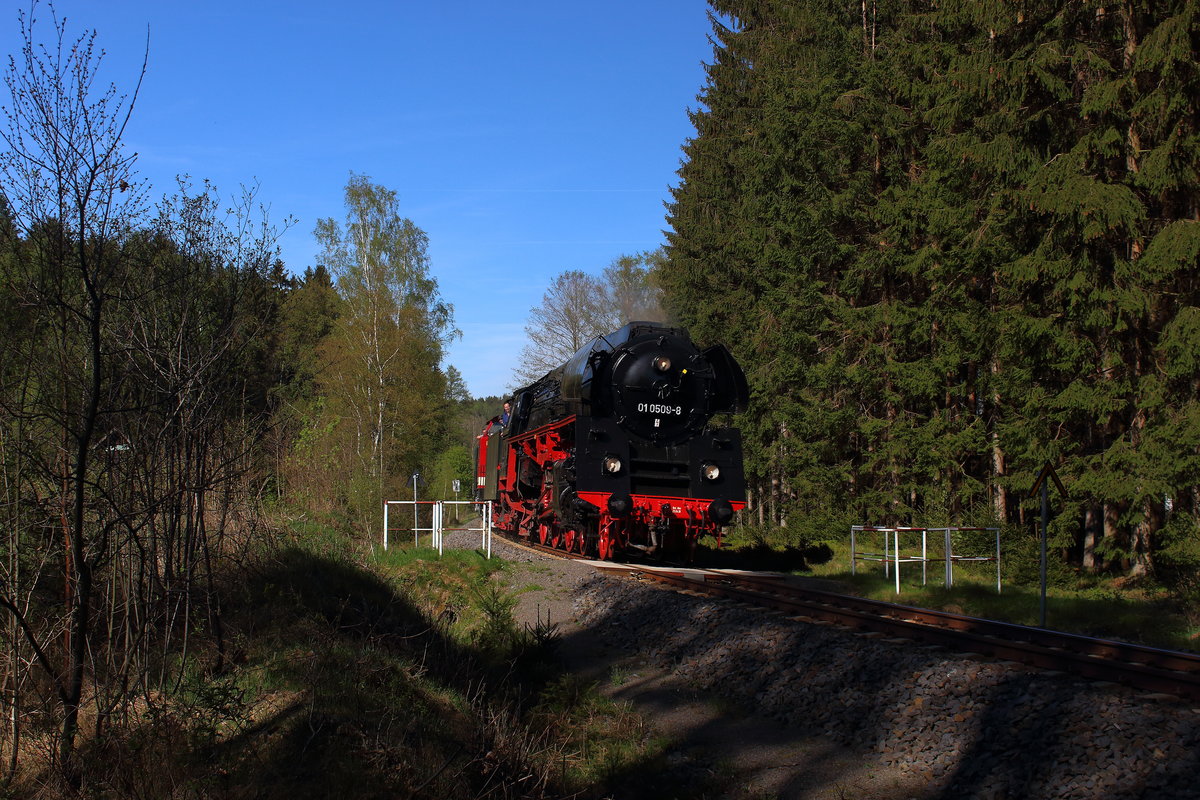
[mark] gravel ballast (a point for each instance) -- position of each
(967, 727)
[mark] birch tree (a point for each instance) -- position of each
(382, 376)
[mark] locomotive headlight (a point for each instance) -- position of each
(710, 472)
(662, 363)
(612, 465)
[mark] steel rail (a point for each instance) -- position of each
(538, 547)
(1167, 672)
(1137, 666)
(1091, 647)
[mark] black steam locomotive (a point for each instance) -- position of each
(612, 452)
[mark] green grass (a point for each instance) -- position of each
(1091, 606)
(351, 673)
(452, 589)
(619, 675)
(600, 737)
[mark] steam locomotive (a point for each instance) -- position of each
(612, 453)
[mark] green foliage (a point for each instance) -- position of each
(453, 463)
(1179, 561)
(498, 635)
(949, 245)
(210, 709)
(321, 536)
(307, 316)
(362, 340)
(604, 739)
(1021, 562)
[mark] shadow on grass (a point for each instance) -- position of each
(368, 687)
(358, 694)
(344, 689)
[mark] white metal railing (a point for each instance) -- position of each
(437, 522)
(485, 523)
(892, 558)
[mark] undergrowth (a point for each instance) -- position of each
(397, 674)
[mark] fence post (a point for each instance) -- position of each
(437, 526)
(853, 551)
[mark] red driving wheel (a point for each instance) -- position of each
(605, 546)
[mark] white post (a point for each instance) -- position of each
(385, 524)
(924, 557)
(887, 553)
(416, 534)
(853, 551)
(997, 560)
(487, 527)
(896, 553)
(949, 560)
(437, 526)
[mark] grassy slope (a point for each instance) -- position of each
(395, 676)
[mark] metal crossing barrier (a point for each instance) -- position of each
(436, 526)
(893, 554)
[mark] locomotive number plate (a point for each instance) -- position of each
(655, 408)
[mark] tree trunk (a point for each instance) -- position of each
(1112, 532)
(1143, 538)
(80, 611)
(1092, 530)
(999, 495)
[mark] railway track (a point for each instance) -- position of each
(1150, 669)
(1154, 670)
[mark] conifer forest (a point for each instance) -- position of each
(952, 243)
(949, 242)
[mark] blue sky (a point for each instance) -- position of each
(525, 138)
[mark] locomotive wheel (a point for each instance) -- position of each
(571, 540)
(605, 546)
(543, 533)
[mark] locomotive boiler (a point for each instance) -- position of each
(612, 451)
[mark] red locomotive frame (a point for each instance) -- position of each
(652, 522)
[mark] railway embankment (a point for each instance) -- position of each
(957, 725)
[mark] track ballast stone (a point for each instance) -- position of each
(971, 727)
